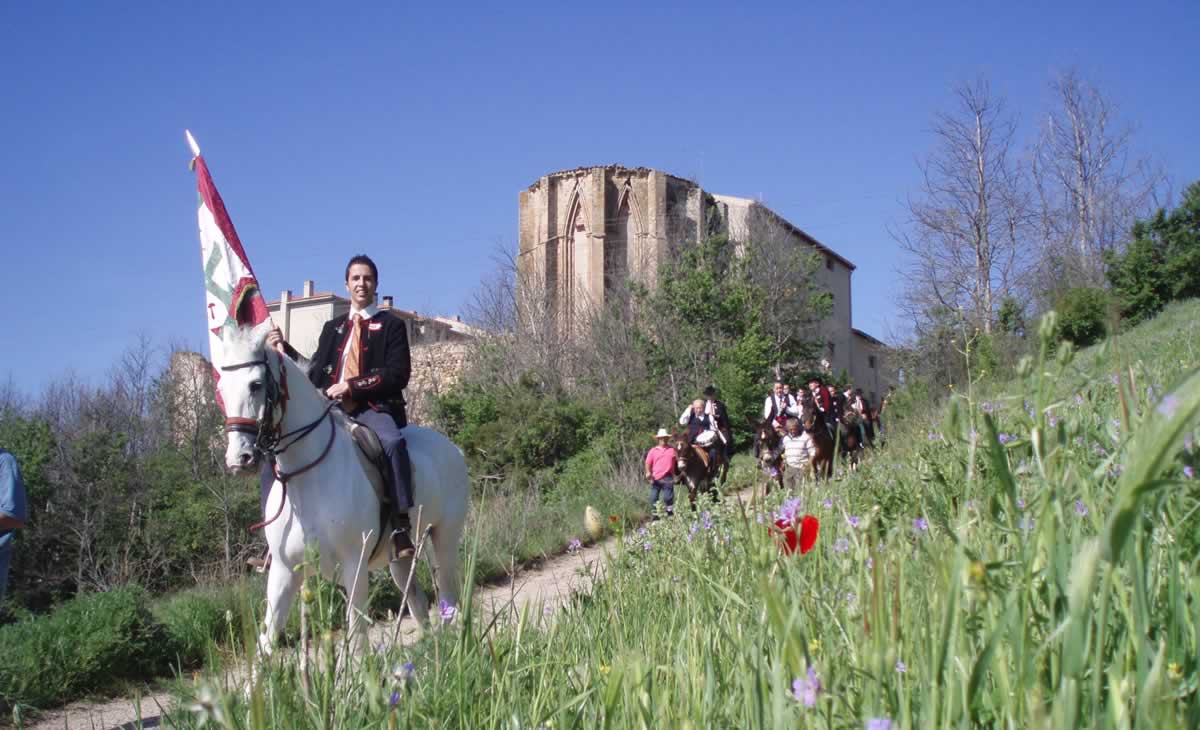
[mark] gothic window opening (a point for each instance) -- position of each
(616, 248)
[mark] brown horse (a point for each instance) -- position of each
(823, 446)
(693, 464)
(767, 452)
(850, 438)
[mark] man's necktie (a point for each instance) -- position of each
(353, 364)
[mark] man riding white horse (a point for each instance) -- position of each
(363, 361)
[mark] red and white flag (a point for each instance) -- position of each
(231, 293)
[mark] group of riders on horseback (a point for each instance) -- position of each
(798, 434)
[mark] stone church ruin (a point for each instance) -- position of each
(583, 232)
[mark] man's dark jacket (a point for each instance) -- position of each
(386, 363)
(722, 416)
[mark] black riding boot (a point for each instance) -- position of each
(402, 498)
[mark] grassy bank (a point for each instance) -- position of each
(101, 643)
(1027, 560)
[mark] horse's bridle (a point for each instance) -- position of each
(266, 428)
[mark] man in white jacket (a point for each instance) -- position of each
(778, 406)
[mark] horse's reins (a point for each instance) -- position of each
(267, 428)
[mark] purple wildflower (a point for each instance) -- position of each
(641, 532)
(828, 503)
(971, 504)
(1169, 405)
(788, 511)
(974, 434)
(1026, 523)
(920, 524)
(758, 518)
(1116, 380)
(870, 563)
(1116, 423)
(987, 407)
(806, 689)
(850, 597)
(1081, 508)
(933, 436)
(708, 524)
(406, 670)
(901, 667)
(1052, 421)
(574, 545)
(394, 699)
(1020, 504)
(853, 520)
(1189, 472)
(447, 611)
(647, 546)
(879, 723)
(841, 545)
(1078, 399)
(1005, 438)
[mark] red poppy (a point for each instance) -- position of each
(789, 540)
(614, 518)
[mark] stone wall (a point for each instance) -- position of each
(435, 368)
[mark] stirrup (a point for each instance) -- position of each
(402, 545)
(260, 565)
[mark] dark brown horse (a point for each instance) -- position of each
(849, 438)
(767, 452)
(699, 473)
(823, 446)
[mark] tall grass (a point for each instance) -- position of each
(1027, 560)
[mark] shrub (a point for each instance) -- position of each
(196, 619)
(1081, 315)
(88, 643)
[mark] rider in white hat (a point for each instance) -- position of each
(660, 472)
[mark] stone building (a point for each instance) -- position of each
(439, 345)
(195, 421)
(583, 231)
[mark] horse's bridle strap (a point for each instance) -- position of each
(241, 425)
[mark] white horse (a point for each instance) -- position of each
(328, 500)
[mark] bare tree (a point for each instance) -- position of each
(965, 229)
(1090, 190)
(782, 262)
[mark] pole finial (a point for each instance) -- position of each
(192, 143)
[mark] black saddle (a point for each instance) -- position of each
(372, 448)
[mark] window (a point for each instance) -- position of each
(871, 361)
(829, 262)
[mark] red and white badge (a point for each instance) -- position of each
(375, 326)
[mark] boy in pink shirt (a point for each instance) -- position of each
(660, 471)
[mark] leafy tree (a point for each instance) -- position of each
(1162, 262)
(1081, 315)
(1011, 318)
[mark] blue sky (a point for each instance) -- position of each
(408, 131)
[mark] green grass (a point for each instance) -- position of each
(1024, 559)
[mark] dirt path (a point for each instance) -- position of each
(549, 584)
